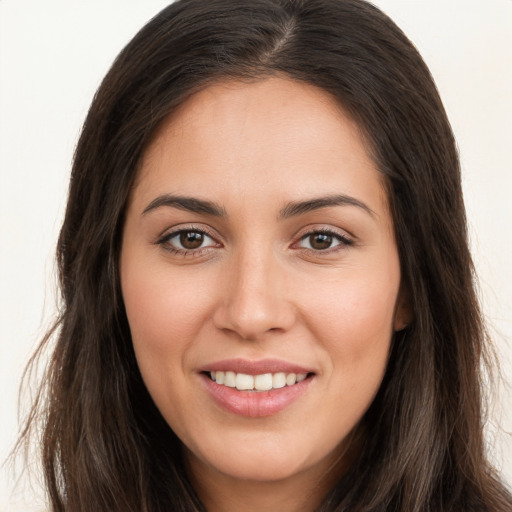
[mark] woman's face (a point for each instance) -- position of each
(259, 249)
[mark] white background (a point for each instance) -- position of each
(53, 54)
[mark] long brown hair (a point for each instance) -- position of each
(105, 446)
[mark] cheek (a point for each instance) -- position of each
(354, 323)
(356, 311)
(165, 315)
(167, 311)
(163, 309)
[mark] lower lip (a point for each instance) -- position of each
(255, 404)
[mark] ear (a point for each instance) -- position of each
(403, 310)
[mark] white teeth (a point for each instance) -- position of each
(291, 378)
(263, 382)
(229, 379)
(244, 382)
(278, 380)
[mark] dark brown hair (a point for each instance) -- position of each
(105, 447)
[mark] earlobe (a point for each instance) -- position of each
(403, 310)
(400, 326)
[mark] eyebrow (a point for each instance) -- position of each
(300, 207)
(190, 204)
(293, 209)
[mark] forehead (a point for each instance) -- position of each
(273, 134)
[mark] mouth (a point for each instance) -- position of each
(257, 383)
(256, 388)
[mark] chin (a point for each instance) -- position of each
(259, 469)
(269, 469)
(261, 457)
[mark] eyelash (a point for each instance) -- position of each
(164, 241)
(343, 240)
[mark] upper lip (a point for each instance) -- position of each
(255, 367)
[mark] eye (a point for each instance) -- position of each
(323, 240)
(191, 239)
(187, 240)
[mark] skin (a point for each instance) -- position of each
(259, 287)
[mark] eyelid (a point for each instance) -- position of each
(342, 236)
(170, 233)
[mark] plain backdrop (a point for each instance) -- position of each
(53, 54)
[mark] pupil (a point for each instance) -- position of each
(320, 241)
(191, 239)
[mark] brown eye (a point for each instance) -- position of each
(323, 240)
(187, 241)
(191, 239)
(320, 241)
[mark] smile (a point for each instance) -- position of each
(261, 382)
(256, 388)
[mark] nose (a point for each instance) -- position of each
(255, 300)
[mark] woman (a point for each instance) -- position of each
(267, 287)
